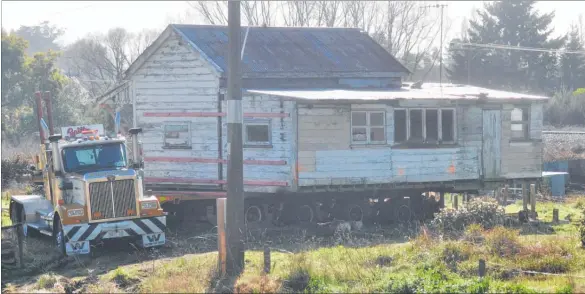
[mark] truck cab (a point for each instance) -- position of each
(91, 192)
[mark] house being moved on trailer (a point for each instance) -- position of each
(329, 125)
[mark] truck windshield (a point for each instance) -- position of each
(94, 157)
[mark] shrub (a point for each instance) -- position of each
(503, 242)
(483, 212)
(12, 168)
(474, 233)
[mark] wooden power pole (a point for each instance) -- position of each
(235, 174)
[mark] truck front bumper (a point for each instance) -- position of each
(150, 232)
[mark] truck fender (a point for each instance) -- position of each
(30, 205)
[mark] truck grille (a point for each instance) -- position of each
(100, 197)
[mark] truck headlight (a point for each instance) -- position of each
(75, 212)
(148, 205)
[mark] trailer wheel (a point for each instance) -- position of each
(254, 214)
(305, 214)
(355, 213)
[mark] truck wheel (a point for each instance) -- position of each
(59, 237)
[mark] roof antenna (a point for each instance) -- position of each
(245, 40)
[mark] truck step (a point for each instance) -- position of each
(40, 226)
(46, 232)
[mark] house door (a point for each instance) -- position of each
(492, 138)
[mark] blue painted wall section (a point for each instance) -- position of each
(556, 183)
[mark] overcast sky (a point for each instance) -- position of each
(79, 18)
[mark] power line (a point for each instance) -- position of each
(519, 48)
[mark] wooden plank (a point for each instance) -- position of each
(492, 143)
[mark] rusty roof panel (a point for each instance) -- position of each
(297, 51)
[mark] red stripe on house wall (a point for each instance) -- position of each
(212, 114)
(211, 160)
(190, 193)
(210, 181)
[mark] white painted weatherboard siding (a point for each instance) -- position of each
(176, 79)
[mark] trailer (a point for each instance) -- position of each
(330, 129)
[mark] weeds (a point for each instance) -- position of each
(46, 281)
(503, 242)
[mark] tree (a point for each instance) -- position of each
(99, 61)
(572, 66)
(511, 23)
(41, 38)
(22, 76)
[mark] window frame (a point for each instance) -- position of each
(257, 122)
(525, 123)
(368, 127)
(424, 124)
(189, 144)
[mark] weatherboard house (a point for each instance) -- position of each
(324, 109)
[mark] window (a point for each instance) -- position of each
(432, 124)
(257, 133)
(94, 157)
(520, 123)
(447, 125)
(368, 127)
(400, 130)
(177, 136)
(424, 125)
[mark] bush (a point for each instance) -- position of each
(486, 213)
(13, 168)
(503, 242)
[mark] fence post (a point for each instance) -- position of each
(266, 259)
(20, 236)
(555, 215)
(506, 189)
(221, 235)
(533, 199)
(524, 196)
(481, 268)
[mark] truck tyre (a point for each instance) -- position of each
(59, 237)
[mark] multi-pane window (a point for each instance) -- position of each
(368, 127)
(424, 125)
(520, 123)
(257, 133)
(177, 135)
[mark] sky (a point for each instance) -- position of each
(80, 18)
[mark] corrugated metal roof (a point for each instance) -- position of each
(563, 146)
(320, 51)
(428, 91)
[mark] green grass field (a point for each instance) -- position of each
(423, 264)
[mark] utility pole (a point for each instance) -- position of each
(441, 6)
(235, 176)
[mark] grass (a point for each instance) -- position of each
(5, 212)
(424, 264)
